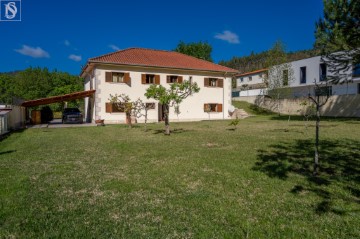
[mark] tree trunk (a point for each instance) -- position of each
(317, 128)
(128, 119)
(167, 125)
(145, 120)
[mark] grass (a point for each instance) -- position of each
(252, 108)
(203, 181)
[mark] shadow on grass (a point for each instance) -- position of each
(174, 131)
(7, 152)
(339, 167)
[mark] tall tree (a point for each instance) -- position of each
(201, 50)
(338, 38)
(172, 96)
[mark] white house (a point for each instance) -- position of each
(305, 73)
(132, 71)
(250, 83)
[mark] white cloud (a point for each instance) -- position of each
(33, 52)
(114, 47)
(66, 43)
(75, 57)
(228, 36)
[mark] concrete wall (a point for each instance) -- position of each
(336, 106)
(191, 109)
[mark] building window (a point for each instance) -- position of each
(150, 79)
(150, 106)
(211, 107)
(241, 79)
(356, 70)
(250, 78)
(117, 77)
(358, 88)
(322, 72)
(303, 75)
(174, 79)
(114, 107)
(213, 82)
(285, 77)
(323, 91)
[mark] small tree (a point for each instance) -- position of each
(172, 96)
(307, 111)
(123, 103)
(234, 123)
(140, 109)
(320, 97)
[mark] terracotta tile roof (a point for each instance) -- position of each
(159, 58)
(252, 72)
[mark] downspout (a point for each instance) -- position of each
(223, 103)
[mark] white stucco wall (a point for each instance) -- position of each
(256, 78)
(312, 74)
(191, 109)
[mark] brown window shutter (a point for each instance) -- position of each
(180, 79)
(127, 77)
(108, 76)
(206, 107)
(157, 79)
(108, 107)
(206, 82)
(143, 78)
(168, 79)
(220, 83)
(219, 108)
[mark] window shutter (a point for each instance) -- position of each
(108, 76)
(206, 82)
(206, 106)
(220, 83)
(168, 79)
(180, 79)
(127, 78)
(157, 79)
(108, 107)
(219, 108)
(143, 78)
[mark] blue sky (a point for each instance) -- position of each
(64, 34)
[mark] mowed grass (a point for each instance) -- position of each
(203, 181)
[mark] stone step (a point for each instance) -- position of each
(240, 113)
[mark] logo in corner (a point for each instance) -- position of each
(10, 10)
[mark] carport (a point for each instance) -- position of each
(59, 98)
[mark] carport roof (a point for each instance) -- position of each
(59, 98)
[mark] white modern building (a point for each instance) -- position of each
(132, 71)
(304, 72)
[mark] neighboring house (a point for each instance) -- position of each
(132, 71)
(250, 83)
(11, 118)
(305, 73)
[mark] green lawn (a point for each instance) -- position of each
(203, 181)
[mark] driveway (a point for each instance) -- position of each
(56, 123)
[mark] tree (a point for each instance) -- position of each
(321, 96)
(201, 50)
(338, 38)
(140, 109)
(123, 104)
(171, 96)
(280, 74)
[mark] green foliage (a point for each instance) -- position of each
(234, 123)
(338, 36)
(201, 50)
(173, 95)
(35, 83)
(256, 61)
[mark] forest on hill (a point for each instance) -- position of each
(256, 61)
